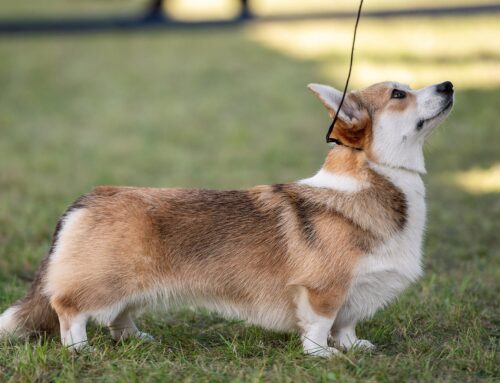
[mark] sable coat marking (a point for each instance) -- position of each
(315, 255)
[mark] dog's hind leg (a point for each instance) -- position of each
(123, 327)
(73, 328)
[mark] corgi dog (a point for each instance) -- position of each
(315, 256)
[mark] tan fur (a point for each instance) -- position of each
(345, 161)
(368, 104)
(377, 98)
(238, 246)
(358, 135)
(125, 247)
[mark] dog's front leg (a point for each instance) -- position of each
(315, 319)
(344, 336)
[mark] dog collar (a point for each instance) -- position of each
(338, 142)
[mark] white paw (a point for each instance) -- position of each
(322, 352)
(144, 336)
(118, 336)
(83, 347)
(364, 344)
(347, 344)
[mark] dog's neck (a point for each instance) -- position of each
(408, 156)
(345, 160)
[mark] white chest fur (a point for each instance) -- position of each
(382, 275)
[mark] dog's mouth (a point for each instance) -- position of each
(448, 106)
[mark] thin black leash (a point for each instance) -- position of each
(328, 139)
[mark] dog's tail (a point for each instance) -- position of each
(33, 313)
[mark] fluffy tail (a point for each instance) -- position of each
(33, 313)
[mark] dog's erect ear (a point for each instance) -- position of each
(352, 123)
(331, 97)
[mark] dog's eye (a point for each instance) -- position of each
(396, 93)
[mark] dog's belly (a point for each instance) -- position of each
(278, 317)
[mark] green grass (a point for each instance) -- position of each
(225, 109)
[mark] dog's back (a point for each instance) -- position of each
(303, 255)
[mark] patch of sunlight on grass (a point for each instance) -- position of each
(484, 75)
(417, 51)
(479, 181)
(200, 10)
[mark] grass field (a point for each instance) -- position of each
(229, 109)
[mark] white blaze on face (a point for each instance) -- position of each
(399, 135)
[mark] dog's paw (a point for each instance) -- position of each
(322, 352)
(144, 336)
(363, 344)
(347, 344)
(81, 348)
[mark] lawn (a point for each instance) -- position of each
(229, 109)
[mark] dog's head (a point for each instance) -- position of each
(389, 121)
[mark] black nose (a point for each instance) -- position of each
(445, 87)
